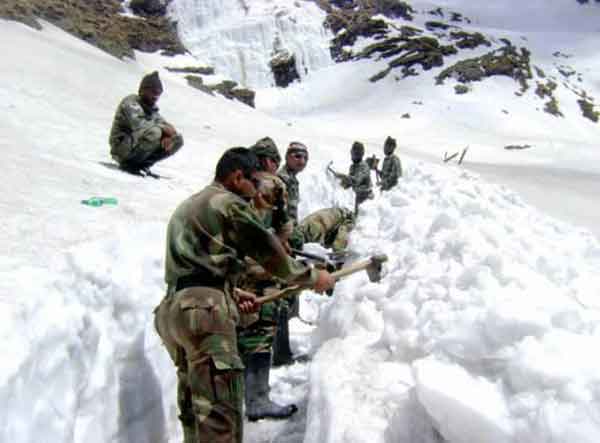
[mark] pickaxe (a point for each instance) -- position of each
(372, 266)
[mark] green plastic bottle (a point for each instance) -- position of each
(99, 201)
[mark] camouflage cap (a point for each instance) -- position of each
(151, 81)
(266, 147)
(296, 147)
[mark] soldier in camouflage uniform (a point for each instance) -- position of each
(359, 176)
(139, 136)
(329, 227)
(391, 169)
(296, 159)
(208, 237)
(256, 340)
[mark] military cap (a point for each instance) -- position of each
(266, 147)
(151, 81)
(297, 147)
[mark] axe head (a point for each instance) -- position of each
(374, 267)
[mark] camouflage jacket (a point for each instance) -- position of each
(360, 176)
(329, 227)
(293, 190)
(391, 170)
(132, 120)
(214, 230)
(276, 215)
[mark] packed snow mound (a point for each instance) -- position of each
(487, 314)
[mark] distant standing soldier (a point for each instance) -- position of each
(391, 169)
(140, 137)
(208, 237)
(255, 341)
(359, 176)
(329, 227)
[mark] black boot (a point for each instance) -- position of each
(282, 352)
(258, 404)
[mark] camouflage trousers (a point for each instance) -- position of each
(258, 336)
(146, 151)
(197, 326)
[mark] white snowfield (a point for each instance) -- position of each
(484, 328)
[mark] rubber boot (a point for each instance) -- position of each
(282, 352)
(258, 404)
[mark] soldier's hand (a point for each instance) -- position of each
(167, 143)
(325, 281)
(247, 302)
(169, 131)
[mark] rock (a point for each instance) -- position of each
(468, 40)
(506, 61)
(149, 7)
(283, 66)
(202, 70)
(461, 89)
(99, 23)
(511, 147)
(230, 90)
(587, 108)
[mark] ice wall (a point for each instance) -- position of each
(239, 37)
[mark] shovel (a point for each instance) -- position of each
(372, 266)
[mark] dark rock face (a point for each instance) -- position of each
(99, 23)
(283, 66)
(506, 61)
(149, 7)
(229, 89)
(355, 20)
(587, 108)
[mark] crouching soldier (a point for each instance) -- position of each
(391, 169)
(139, 136)
(208, 237)
(329, 227)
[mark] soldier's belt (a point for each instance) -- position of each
(202, 278)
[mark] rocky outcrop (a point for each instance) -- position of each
(507, 61)
(350, 20)
(149, 7)
(100, 23)
(587, 108)
(229, 89)
(283, 66)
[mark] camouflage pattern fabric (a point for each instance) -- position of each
(293, 190)
(258, 335)
(391, 170)
(213, 231)
(329, 227)
(360, 176)
(137, 131)
(276, 215)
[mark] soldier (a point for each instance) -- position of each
(359, 176)
(139, 136)
(208, 237)
(256, 340)
(391, 169)
(296, 158)
(329, 227)
(295, 161)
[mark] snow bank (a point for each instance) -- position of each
(491, 304)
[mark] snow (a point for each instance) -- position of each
(483, 328)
